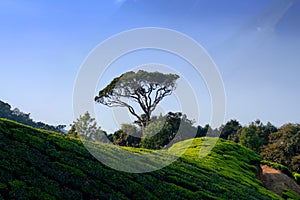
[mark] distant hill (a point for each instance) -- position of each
(16, 115)
(38, 164)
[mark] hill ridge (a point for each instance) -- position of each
(46, 165)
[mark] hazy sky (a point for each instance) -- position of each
(254, 43)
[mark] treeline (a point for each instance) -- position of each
(15, 114)
(280, 145)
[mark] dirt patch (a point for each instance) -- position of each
(276, 181)
(269, 170)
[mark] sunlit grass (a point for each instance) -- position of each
(39, 164)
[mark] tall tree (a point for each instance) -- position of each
(147, 89)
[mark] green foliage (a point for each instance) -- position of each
(256, 131)
(157, 134)
(154, 126)
(283, 147)
(202, 131)
(277, 146)
(278, 166)
(283, 169)
(129, 135)
(296, 177)
(250, 138)
(73, 132)
(86, 127)
(225, 161)
(37, 164)
(136, 79)
(146, 89)
(290, 194)
(131, 129)
(164, 131)
(230, 128)
(17, 115)
(266, 131)
(253, 136)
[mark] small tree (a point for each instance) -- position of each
(230, 128)
(146, 89)
(250, 137)
(86, 127)
(128, 135)
(202, 131)
(164, 131)
(73, 132)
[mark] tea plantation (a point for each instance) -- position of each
(39, 164)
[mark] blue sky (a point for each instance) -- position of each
(254, 43)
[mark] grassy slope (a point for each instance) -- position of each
(40, 164)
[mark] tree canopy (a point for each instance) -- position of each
(147, 89)
(230, 128)
(86, 127)
(284, 146)
(15, 114)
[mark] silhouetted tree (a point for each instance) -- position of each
(202, 131)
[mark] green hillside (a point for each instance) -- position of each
(38, 164)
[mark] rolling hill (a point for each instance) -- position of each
(40, 164)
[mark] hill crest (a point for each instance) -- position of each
(45, 165)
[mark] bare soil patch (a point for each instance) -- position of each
(277, 181)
